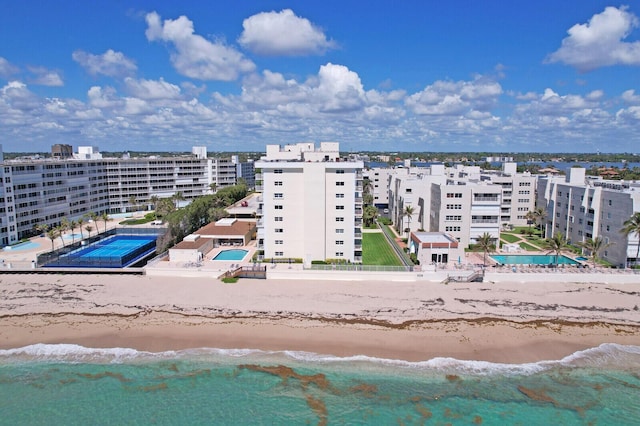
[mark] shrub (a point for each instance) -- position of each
(385, 220)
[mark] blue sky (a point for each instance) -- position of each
(461, 75)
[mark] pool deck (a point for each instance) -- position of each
(22, 261)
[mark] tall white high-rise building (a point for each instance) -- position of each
(312, 203)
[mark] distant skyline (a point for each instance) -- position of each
(410, 75)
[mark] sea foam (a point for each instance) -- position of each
(607, 355)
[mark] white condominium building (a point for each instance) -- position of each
(462, 201)
(44, 191)
(581, 207)
(311, 203)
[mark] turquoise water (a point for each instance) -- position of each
(67, 384)
(234, 254)
(27, 245)
(532, 259)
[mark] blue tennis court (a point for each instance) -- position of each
(117, 251)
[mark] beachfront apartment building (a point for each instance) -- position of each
(581, 207)
(311, 203)
(43, 191)
(462, 201)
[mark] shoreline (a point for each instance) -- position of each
(496, 341)
(496, 322)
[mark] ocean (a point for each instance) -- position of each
(73, 385)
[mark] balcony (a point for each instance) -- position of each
(485, 198)
(495, 220)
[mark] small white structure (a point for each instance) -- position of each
(435, 247)
(191, 249)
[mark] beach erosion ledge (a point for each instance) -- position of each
(496, 322)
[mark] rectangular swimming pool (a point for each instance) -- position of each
(117, 251)
(233, 254)
(532, 259)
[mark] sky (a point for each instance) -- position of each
(403, 75)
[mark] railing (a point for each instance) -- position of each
(392, 242)
(484, 198)
(484, 220)
(354, 267)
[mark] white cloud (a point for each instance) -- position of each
(6, 68)
(45, 77)
(195, 56)
(283, 34)
(151, 89)
(599, 43)
(455, 98)
(110, 63)
(630, 97)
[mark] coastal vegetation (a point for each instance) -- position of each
(632, 226)
(202, 210)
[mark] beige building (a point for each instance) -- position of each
(311, 203)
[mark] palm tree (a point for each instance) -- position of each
(485, 243)
(632, 226)
(540, 215)
(89, 228)
(60, 229)
(531, 217)
(594, 247)
(213, 187)
(80, 222)
(133, 202)
(41, 228)
(72, 225)
(65, 225)
(556, 244)
(408, 213)
(105, 217)
(52, 234)
(154, 201)
(177, 197)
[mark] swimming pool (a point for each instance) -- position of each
(26, 245)
(532, 259)
(117, 251)
(233, 254)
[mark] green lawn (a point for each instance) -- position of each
(376, 250)
(528, 247)
(510, 238)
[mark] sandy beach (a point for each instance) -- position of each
(415, 321)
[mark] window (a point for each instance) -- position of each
(279, 242)
(339, 219)
(524, 192)
(278, 183)
(339, 242)
(454, 206)
(609, 202)
(453, 217)
(278, 195)
(452, 228)
(454, 195)
(279, 253)
(340, 183)
(278, 207)
(277, 171)
(339, 207)
(278, 218)
(408, 190)
(279, 230)
(339, 231)
(339, 195)
(339, 254)
(339, 172)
